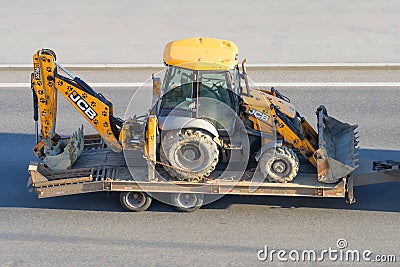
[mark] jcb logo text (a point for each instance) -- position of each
(81, 103)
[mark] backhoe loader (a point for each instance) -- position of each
(201, 75)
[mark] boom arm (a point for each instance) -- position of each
(98, 111)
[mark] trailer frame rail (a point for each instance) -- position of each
(78, 181)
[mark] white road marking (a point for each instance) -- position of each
(255, 65)
(268, 84)
(330, 84)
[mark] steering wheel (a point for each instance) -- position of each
(216, 95)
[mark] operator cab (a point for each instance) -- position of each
(202, 81)
(199, 94)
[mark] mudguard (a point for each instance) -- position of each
(178, 122)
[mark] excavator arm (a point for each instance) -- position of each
(46, 82)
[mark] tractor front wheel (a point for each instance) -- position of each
(279, 164)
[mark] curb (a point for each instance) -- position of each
(261, 65)
(256, 84)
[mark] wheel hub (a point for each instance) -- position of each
(187, 200)
(190, 152)
(279, 166)
(136, 199)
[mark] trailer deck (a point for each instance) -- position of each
(110, 173)
(85, 180)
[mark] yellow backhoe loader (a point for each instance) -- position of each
(192, 135)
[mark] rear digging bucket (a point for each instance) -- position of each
(66, 152)
(336, 155)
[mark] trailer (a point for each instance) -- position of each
(203, 119)
(99, 169)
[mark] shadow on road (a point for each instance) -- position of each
(17, 152)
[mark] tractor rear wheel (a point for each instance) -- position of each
(192, 154)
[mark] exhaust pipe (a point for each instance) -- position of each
(337, 144)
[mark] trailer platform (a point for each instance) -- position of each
(100, 169)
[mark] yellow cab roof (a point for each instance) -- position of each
(200, 53)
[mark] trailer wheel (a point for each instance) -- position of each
(135, 201)
(187, 202)
(279, 164)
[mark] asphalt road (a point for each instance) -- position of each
(94, 230)
(125, 31)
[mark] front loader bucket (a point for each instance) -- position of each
(66, 152)
(336, 155)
